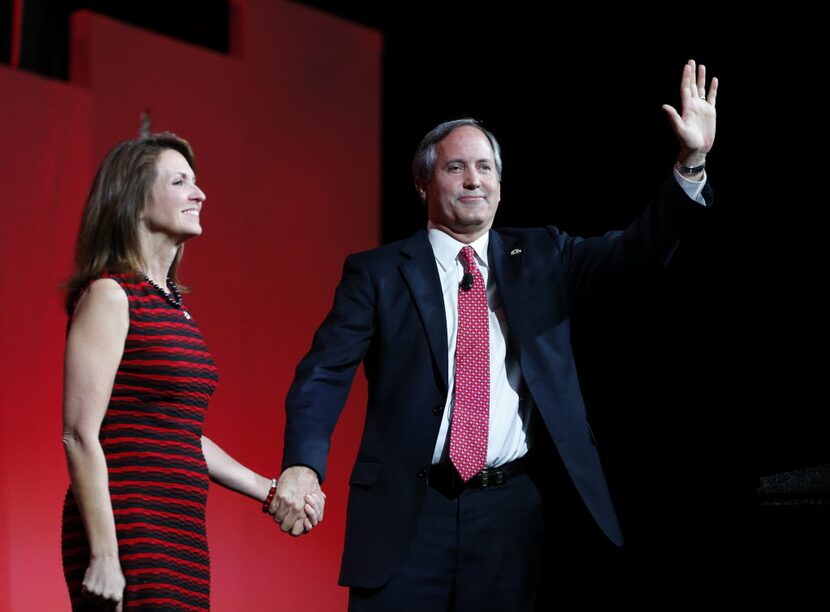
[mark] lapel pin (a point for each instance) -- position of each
(515, 251)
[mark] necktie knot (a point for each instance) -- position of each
(468, 258)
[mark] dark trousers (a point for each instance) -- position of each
(475, 551)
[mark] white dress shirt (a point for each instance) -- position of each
(507, 438)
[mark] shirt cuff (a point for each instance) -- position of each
(693, 189)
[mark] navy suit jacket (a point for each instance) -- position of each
(388, 312)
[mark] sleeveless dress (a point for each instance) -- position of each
(158, 478)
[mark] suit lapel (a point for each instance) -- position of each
(419, 271)
(507, 258)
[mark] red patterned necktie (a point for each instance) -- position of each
(471, 408)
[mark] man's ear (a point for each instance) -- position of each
(422, 189)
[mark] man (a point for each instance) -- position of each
(464, 336)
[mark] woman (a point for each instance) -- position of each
(138, 377)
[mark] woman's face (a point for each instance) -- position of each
(175, 201)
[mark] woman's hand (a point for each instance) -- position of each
(104, 583)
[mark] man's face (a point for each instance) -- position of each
(465, 189)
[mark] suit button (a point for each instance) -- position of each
(422, 474)
(437, 410)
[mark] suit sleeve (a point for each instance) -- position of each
(324, 376)
(649, 242)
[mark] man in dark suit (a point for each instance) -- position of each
(465, 339)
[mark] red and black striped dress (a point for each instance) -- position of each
(158, 479)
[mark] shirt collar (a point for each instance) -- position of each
(446, 247)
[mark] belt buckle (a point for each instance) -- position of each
(491, 477)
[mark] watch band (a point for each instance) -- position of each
(689, 170)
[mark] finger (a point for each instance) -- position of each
(287, 524)
(684, 82)
(279, 512)
(311, 515)
(298, 528)
(307, 525)
(316, 503)
(691, 85)
(701, 81)
(674, 117)
(713, 91)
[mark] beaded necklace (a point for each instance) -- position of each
(174, 298)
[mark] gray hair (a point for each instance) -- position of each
(423, 163)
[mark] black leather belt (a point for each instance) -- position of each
(445, 478)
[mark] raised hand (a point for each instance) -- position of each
(695, 124)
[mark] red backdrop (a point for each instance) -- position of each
(287, 134)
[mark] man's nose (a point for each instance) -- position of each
(471, 179)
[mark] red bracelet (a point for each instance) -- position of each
(266, 505)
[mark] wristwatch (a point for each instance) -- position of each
(689, 170)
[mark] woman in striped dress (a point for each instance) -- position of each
(138, 378)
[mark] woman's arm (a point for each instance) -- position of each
(231, 474)
(94, 347)
(228, 472)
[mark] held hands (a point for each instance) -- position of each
(104, 583)
(695, 124)
(299, 503)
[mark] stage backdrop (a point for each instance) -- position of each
(286, 134)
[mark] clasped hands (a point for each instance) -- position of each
(299, 502)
